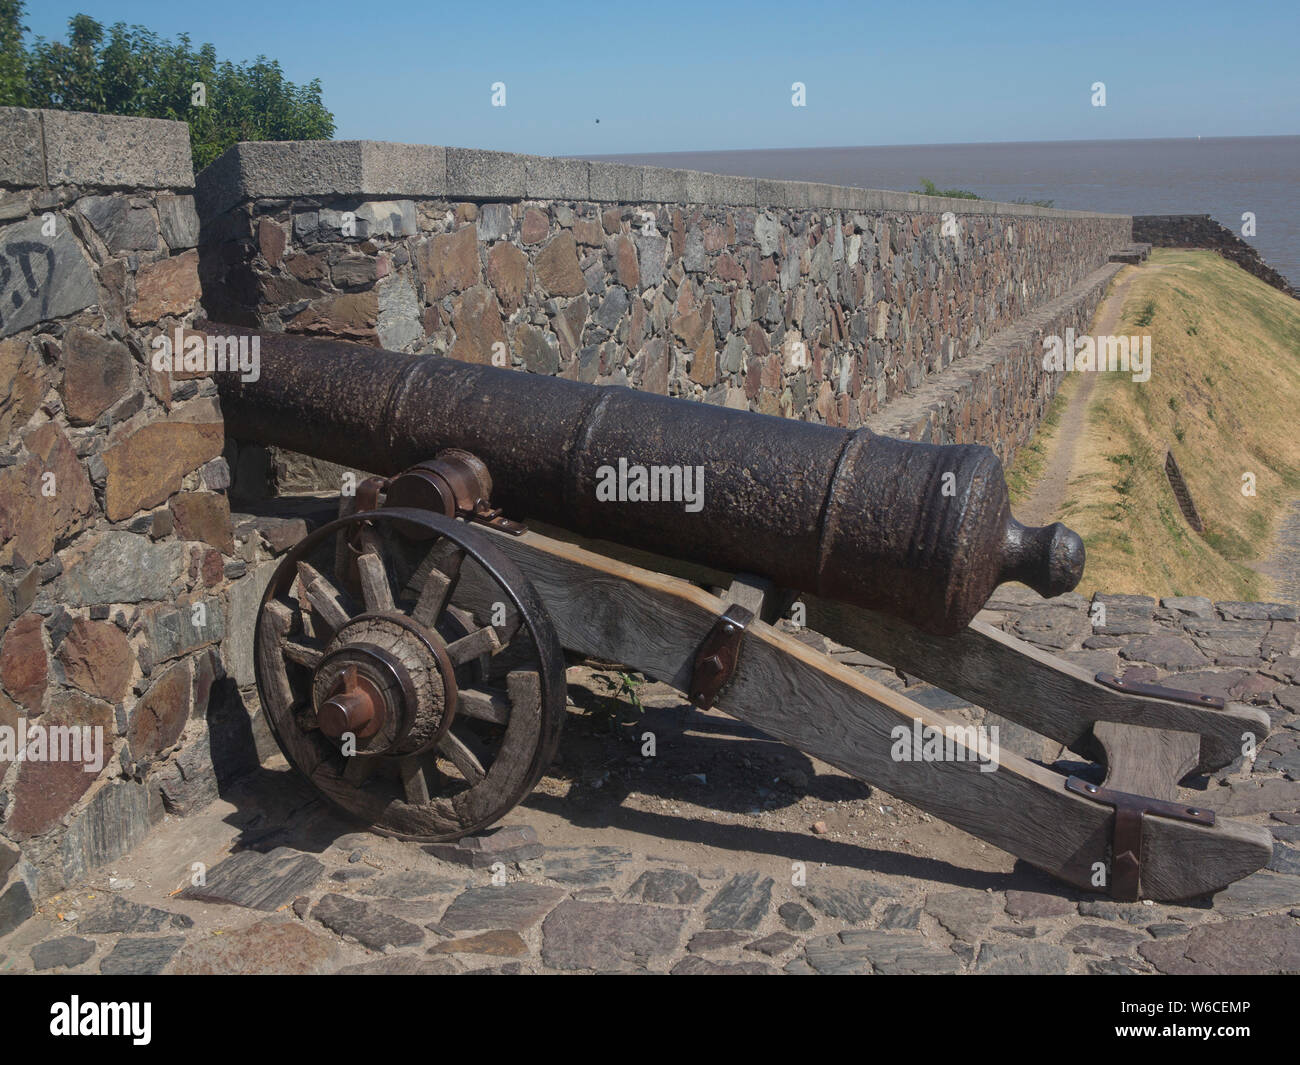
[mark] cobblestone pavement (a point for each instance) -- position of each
(690, 862)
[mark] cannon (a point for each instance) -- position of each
(410, 654)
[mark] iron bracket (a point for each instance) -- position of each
(1127, 836)
(1158, 691)
(718, 656)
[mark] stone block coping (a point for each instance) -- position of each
(256, 170)
(42, 148)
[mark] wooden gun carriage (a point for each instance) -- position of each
(410, 654)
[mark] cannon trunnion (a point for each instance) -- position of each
(409, 655)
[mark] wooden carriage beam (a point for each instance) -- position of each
(655, 623)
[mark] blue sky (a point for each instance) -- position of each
(679, 76)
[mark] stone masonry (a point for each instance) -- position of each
(808, 301)
(116, 546)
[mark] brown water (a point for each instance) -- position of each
(1220, 176)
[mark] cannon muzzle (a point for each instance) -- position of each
(922, 532)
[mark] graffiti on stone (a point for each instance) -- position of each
(41, 277)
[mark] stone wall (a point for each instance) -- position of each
(1202, 231)
(809, 301)
(116, 540)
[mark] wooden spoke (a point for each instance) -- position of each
(479, 642)
(301, 653)
(358, 769)
(439, 583)
(414, 783)
(462, 758)
(484, 706)
(374, 582)
(325, 599)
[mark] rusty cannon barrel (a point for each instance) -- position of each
(922, 532)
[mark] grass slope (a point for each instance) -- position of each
(1224, 396)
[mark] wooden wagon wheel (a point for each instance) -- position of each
(421, 688)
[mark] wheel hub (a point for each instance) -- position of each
(388, 683)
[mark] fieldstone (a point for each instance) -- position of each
(494, 222)
(24, 662)
(776, 943)
(169, 287)
(1053, 626)
(1255, 796)
(666, 885)
(269, 947)
(1253, 946)
(795, 917)
(697, 966)
(397, 323)
(741, 903)
(159, 717)
(31, 520)
(204, 516)
(625, 263)
(1103, 938)
(651, 253)
(16, 905)
(965, 914)
(609, 936)
(715, 939)
(898, 953)
(1115, 967)
(146, 467)
(97, 658)
(1236, 638)
(259, 881)
(1134, 913)
(117, 914)
(120, 226)
(1167, 652)
(116, 818)
(386, 218)
(365, 923)
(410, 884)
(348, 316)
(534, 227)
(538, 349)
(1259, 611)
(23, 382)
(507, 273)
(508, 843)
(612, 308)
(1192, 606)
(180, 222)
(1038, 904)
(898, 916)
(96, 373)
(585, 866)
(449, 263)
(48, 277)
(516, 905)
(476, 316)
(140, 957)
(853, 903)
(1259, 891)
(1029, 956)
(767, 231)
(501, 943)
(556, 267)
(402, 965)
(62, 953)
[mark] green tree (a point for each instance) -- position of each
(132, 71)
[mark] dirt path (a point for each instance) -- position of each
(1045, 502)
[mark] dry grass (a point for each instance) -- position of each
(1224, 395)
